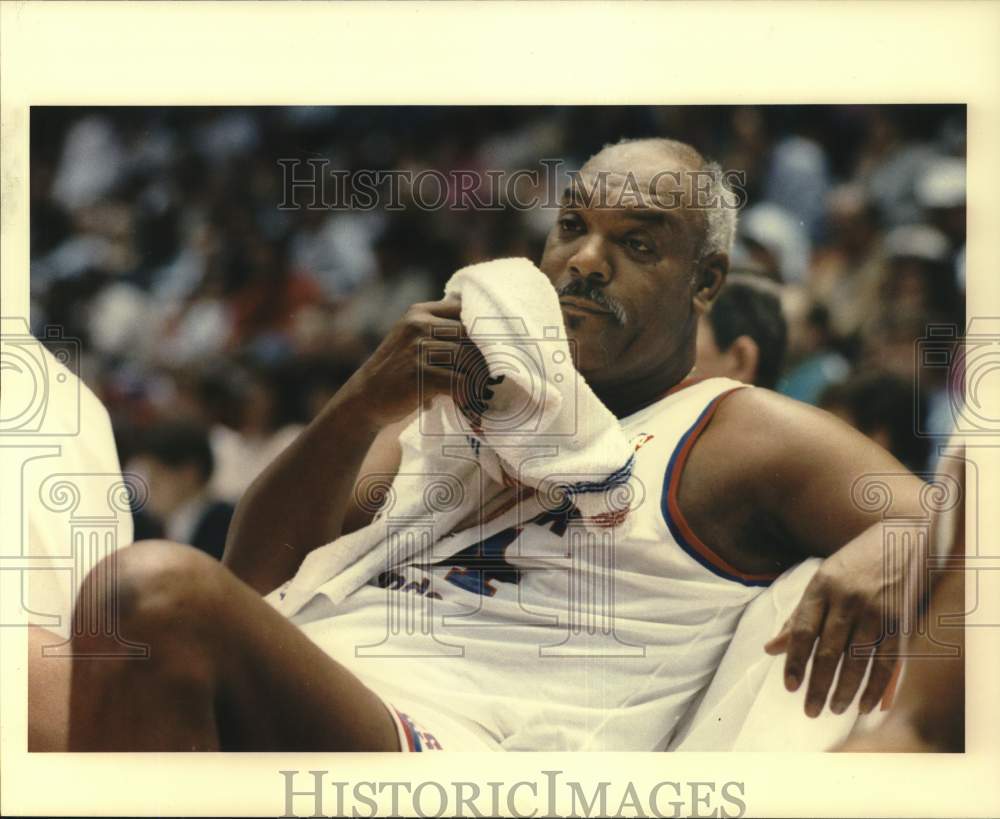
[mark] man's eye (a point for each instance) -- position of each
(638, 245)
(570, 224)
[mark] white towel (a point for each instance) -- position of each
(542, 431)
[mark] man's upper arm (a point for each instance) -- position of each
(383, 459)
(802, 467)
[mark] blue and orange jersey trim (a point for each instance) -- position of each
(674, 518)
(412, 737)
(416, 738)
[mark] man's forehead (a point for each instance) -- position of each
(666, 189)
(632, 176)
(642, 183)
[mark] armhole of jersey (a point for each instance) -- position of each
(676, 523)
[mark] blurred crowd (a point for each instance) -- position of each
(214, 323)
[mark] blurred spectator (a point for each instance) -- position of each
(941, 192)
(798, 180)
(881, 406)
(198, 328)
(960, 269)
(893, 346)
(889, 165)
(401, 280)
(776, 241)
(847, 269)
(918, 289)
(813, 363)
(337, 249)
(263, 427)
(744, 335)
(266, 293)
(175, 459)
(918, 279)
(91, 164)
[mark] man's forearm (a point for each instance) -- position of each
(298, 503)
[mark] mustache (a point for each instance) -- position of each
(583, 289)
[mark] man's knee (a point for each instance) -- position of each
(148, 587)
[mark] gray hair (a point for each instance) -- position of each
(720, 220)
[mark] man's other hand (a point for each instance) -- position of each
(848, 616)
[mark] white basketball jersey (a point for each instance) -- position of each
(546, 635)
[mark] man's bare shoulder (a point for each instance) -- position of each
(770, 445)
(788, 427)
(793, 464)
(761, 417)
(755, 440)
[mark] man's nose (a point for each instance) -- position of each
(591, 260)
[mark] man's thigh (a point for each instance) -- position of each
(275, 688)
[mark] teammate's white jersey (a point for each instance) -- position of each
(545, 636)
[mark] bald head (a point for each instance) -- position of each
(674, 175)
(665, 153)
